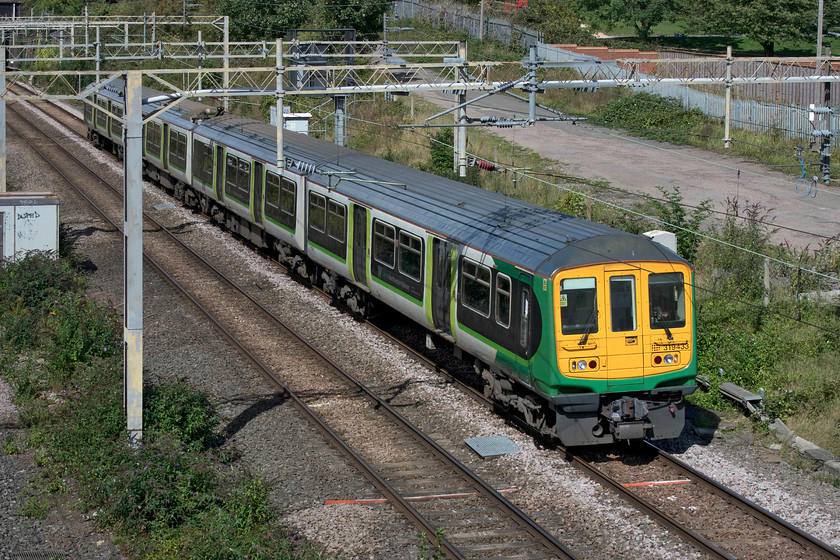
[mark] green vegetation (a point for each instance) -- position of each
(178, 495)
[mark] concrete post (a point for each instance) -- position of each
(133, 263)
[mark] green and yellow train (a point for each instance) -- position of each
(585, 329)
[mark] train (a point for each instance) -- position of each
(588, 332)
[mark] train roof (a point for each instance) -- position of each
(531, 237)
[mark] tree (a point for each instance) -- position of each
(365, 16)
(259, 21)
(764, 22)
(641, 14)
(556, 19)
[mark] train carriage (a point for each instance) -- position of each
(587, 330)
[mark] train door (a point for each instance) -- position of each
(259, 177)
(220, 172)
(624, 328)
(525, 304)
(164, 156)
(441, 285)
(360, 221)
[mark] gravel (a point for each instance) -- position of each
(273, 440)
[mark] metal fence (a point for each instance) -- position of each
(788, 119)
(458, 17)
(779, 108)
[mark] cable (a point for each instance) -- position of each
(812, 192)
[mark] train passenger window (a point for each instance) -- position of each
(475, 287)
(178, 150)
(153, 135)
(202, 166)
(578, 306)
(623, 303)
(384, 239)
(667, 300)
(238, 179)
(317, 212)
(102, 116)
(337, 221)
(280, 196)
(88, 112)
(503, 299)
(116, 125)
(411, 255)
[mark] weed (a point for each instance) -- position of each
(11, 447)
(35, 507)
(431, 552)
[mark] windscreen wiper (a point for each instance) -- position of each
(589, 325)
(658, 318)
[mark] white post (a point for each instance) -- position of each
(133, 263)
(3, 116)
(728, 103)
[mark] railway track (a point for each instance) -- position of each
(669, 491)
(744, 531)
(409, 469)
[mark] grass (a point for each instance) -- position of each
(180, 494)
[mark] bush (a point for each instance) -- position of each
(651, 116)
(177, 410)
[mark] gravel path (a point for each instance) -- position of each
(274, 442)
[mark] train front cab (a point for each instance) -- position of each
(625, 351)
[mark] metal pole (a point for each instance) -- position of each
(462, 134)
(133, 263)
(481, 21)
(532, 89)
(820, 29)
(728, 104)
(226, 64)
(98, 54)
(825, 148)
(278, 94)
(87, 32)
(3, 115)
(462, 117)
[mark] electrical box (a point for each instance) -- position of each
(665, 238)
(296, 122)
(28, 222)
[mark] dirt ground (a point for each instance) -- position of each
(639, 165)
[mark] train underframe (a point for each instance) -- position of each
(592, 418)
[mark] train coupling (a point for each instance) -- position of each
(628, 418)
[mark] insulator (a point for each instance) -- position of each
(486, 165)
(488, 119)
(304, 167)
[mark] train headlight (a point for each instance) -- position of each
(581, 364)
(669, 359)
